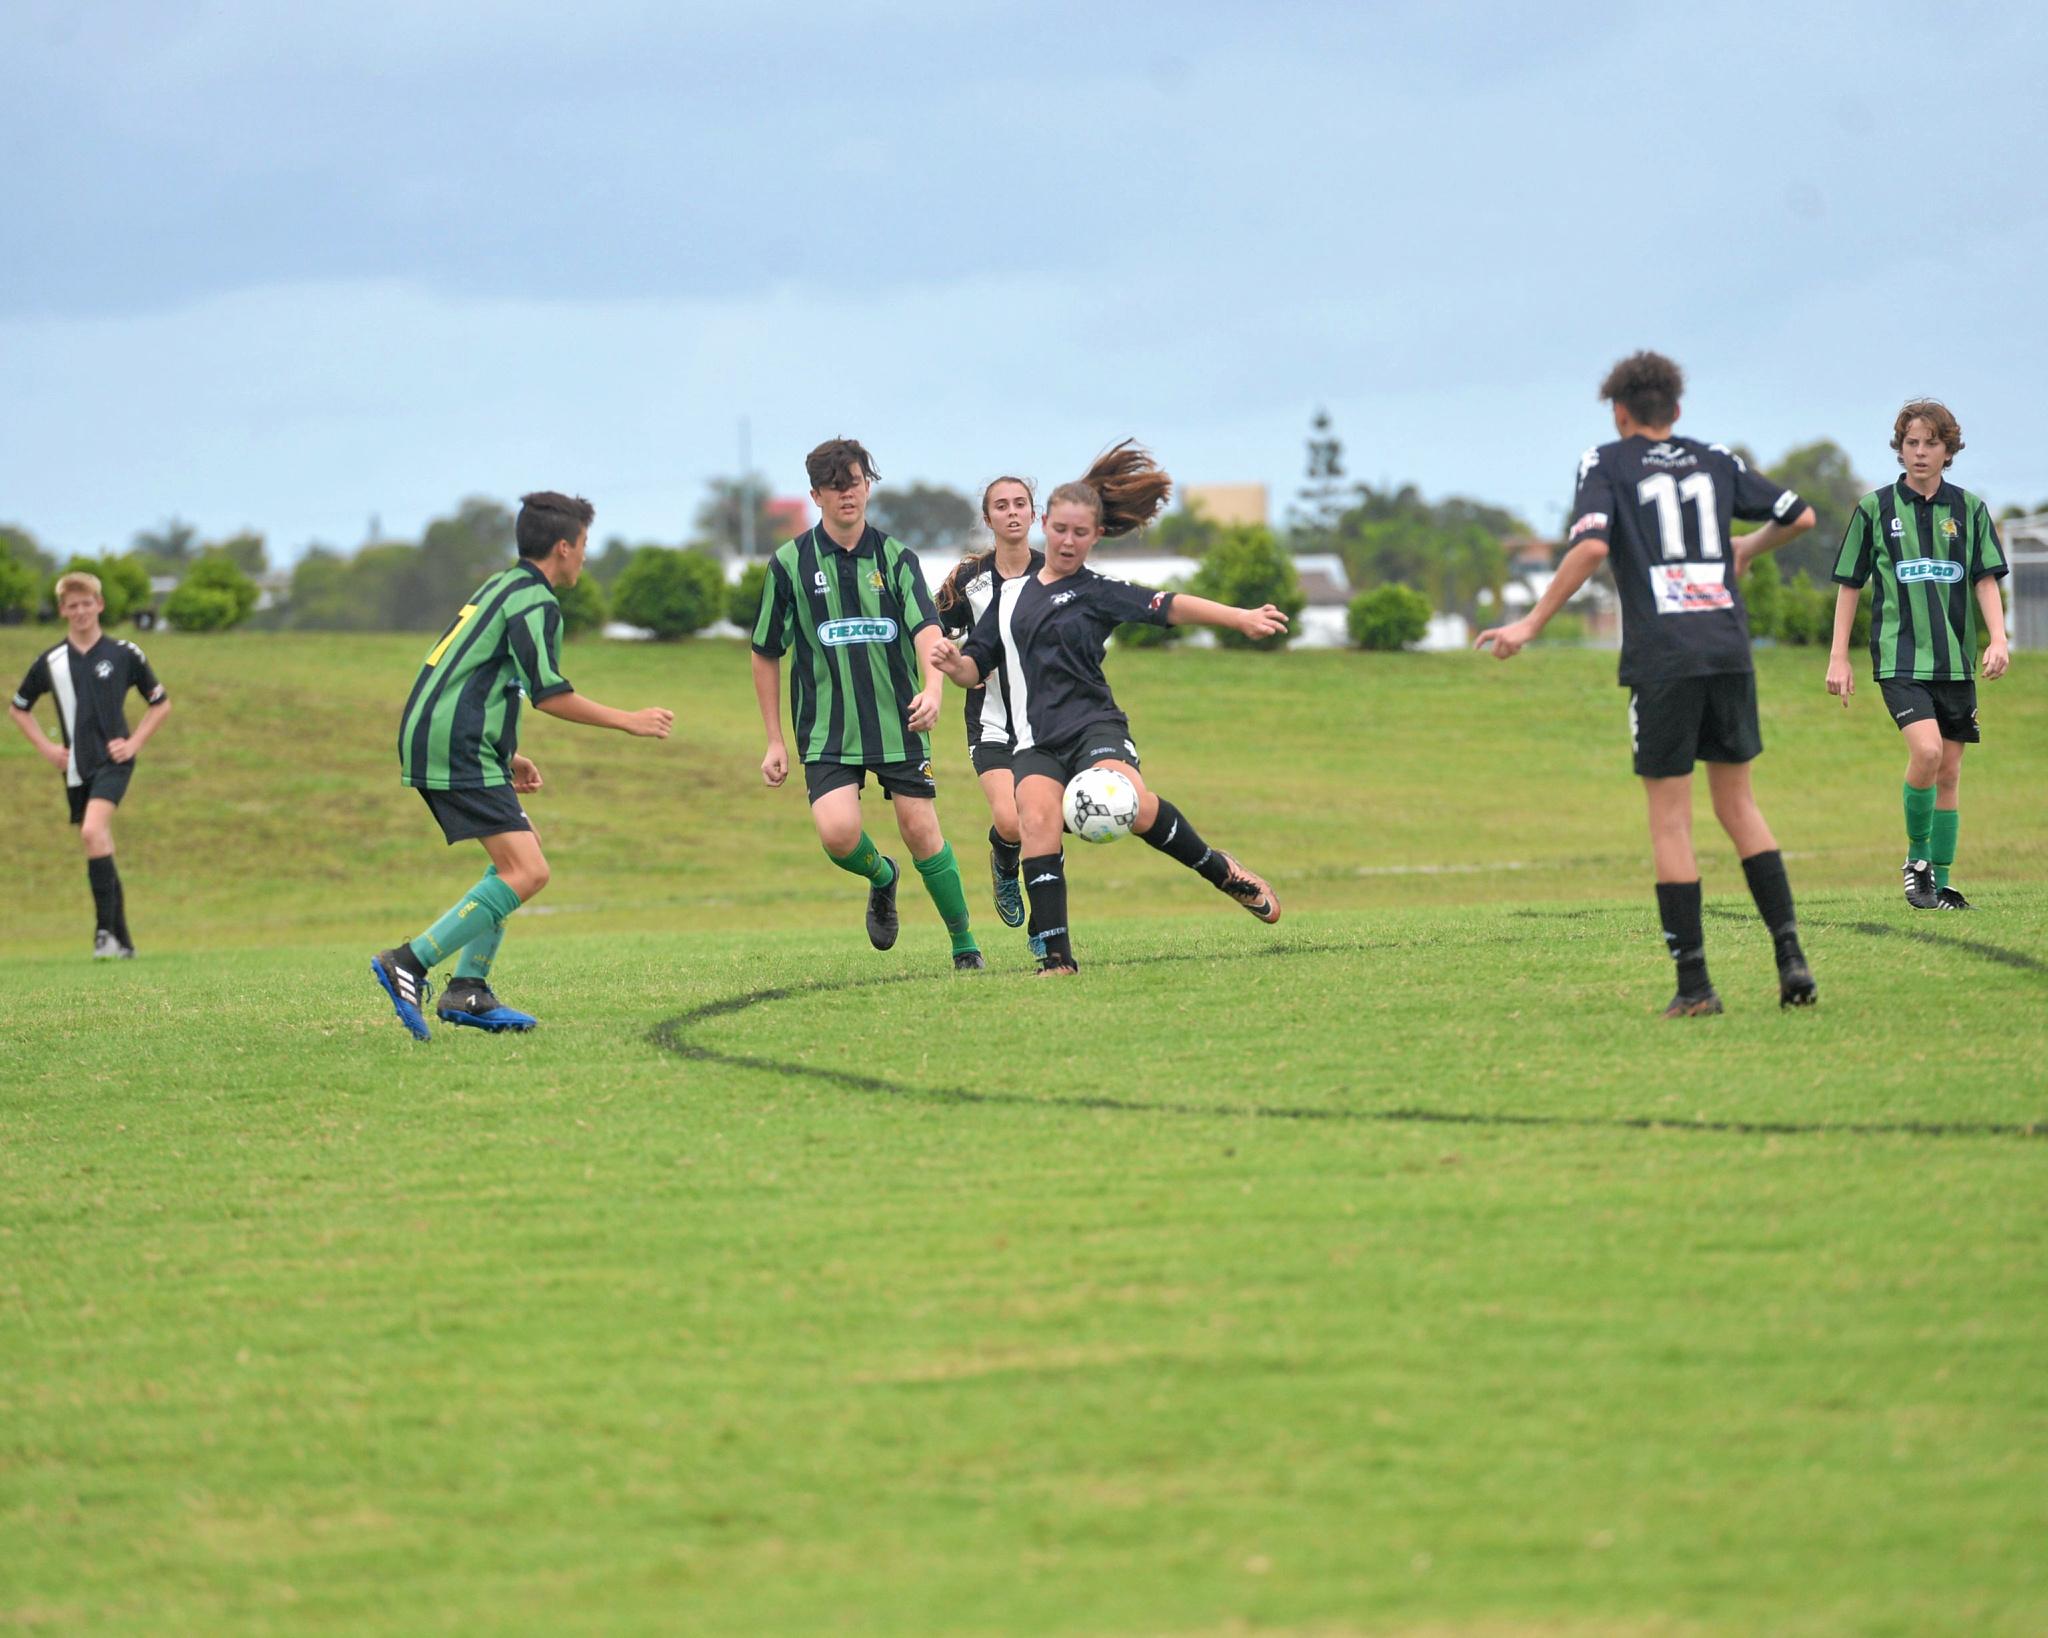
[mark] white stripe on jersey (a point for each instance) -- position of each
(58, 663)
(1013, 664)
(995, 713)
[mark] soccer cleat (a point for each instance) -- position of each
(882, 920)
(968, 961)
(1249, 890)
(1703, 1005)
(1796, 987)
(468, 1002)
(1052, 966)
(106, 947)
(1009, 891)
(409, 991)
(1947, 898)
(1917, 877)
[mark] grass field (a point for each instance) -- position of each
(1392, 1271)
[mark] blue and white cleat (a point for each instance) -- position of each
(465, 1001)
(408, 989)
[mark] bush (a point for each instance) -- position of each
(17, 588)
(214, 595)
(671, 592)
(1763, 594)
(124, 585)
(584, 605)
(1388, 617)
(1565, 629)
(1136, 634)
(743, 599)
(1246, 568)
(1806, 614)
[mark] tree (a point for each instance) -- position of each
(1388, 617)
(1319, 504)
(925, 517)
(743, 601)
(246, 550)
(584, 605)
(1452, 548)
(124, 585)
(1137, 634)
(1806, 614)
(1763, 595)
(19, 546)
(1826, 480)
(1247, 567)
(214, 595)
(1186, 531)
(455, 556)
(718, 518)
(672, 593)
(607, 565)
(18, 584)
(167, 547)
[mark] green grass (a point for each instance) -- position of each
(1389, 1272)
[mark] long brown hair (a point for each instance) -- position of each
(953, 588)
(1939, 418)
(1125, 489)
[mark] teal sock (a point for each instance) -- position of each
(1919, 819)
(865, 860)
(1941, 846)
(477, 955)
(482, 909)
(941, 873)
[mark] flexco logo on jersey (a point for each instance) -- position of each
(1592, 520)
(838, 633)
(1930, 568)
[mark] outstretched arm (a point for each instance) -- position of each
(1264, 621)
(945, 657)
(1576, 569)
(1750, 547)
(651, 723)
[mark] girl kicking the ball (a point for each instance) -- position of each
(1009, 508)
(1046, 633)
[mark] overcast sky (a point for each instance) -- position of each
(282, 267)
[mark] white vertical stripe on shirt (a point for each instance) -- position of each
(1013, 665)
(58, 661)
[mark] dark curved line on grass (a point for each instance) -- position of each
(672, 1036)
(2018, 959)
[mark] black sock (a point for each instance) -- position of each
(402, 953)
(1005, 851)
(1175, 837)
(1773, 895)
(1678, 905)
(1045, 883)
(106, 889)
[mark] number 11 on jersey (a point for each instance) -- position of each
(1668, 494)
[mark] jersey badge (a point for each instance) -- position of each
(925, 767)
(1948, 528)
(818, 580)
(875, 579)
(1061, 599)
(1668, 455)
(1592, 520)
(1158, 600)
(103, 670)
(1588, 461)
(1898, 526)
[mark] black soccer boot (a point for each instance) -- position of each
(1917, 877)
(1796, 987)
(1947, 898)
(882, 918)
(969, 961)
(1009, 890)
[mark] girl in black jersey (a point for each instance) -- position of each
(1046, 632)
(1009, 508)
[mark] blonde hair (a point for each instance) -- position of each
(78, 580)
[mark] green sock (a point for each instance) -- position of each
(865, 860)
(483, 908)
(1919, 819)
(477, 955)
(1941, 847)
(941, 873)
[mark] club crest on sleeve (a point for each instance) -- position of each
(1592, 520)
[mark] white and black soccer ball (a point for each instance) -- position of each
(1101, 805)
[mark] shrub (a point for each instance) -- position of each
(1565, 629)
(671, 592)
(1388, 617)
(1763, 594)
(213, 596)
(743, 600)
(17, 588)
(1137, 634)
(1247, 567)
(584, 605)
(1806, 614)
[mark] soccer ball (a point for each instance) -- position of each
(1101, 804)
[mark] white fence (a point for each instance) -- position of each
(2026, 551)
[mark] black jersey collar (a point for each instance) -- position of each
(1947, 495)
(869, 544)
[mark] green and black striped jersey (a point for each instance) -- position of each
(847, 619)
(1925, 557)
(461, 721)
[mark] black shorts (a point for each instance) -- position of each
(895, 778)
(1693, 719)
(1950, 706)
(1105, 740)
(990, 756)
(465, 815)
(108, 784)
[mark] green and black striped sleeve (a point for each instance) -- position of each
(775, 626)
(534, 639)
(1987, 556)
(1853, 560)
(911, 592)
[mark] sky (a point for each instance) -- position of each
(288, 269)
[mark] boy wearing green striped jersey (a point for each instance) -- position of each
(1931, 555)
(849, 605)
(458, 746)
